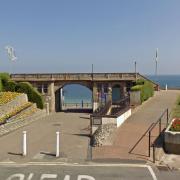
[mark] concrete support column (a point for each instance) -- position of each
(109, 95)
(61, 99)
(95, 97)
(123, 89)
(52, 97)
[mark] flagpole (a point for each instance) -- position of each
(156, 62)
(12, 57)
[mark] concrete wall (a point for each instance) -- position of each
(118, 121)
(135, 98)
(171, 141)
(10, 106)
(123, 117)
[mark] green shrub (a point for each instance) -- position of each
(175, 113)
(136, 88)
(4, 78)
(1, 85)
(33, 95)
(10, 86)
(145, 87)
(140, 82)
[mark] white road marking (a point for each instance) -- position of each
(80, 177)
(30, 176)
(20, 176)
(152, 172)
(48, 176)
(81, 165)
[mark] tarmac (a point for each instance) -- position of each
(41, 139)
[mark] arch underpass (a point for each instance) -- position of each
(73, 96)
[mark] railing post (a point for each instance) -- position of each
(160, 126)
(154, 155)
(149, 148)
(167, 117)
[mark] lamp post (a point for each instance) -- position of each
(156, 62)
(92, 71)
(135, 69)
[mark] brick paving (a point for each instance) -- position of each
(127, 135)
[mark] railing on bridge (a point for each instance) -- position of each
(81, 105)
(74, 76)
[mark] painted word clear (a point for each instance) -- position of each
(20, 176)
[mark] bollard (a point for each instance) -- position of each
(24, 143)
(47, 108)
(57, 144)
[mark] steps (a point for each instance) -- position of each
(16, 112)
(16, 122)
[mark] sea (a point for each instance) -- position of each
(77, 93)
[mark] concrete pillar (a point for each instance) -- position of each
(109, 95)
(52, 97)
(95, 97)
(123, 89)
(61, 99)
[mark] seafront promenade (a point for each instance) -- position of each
(127, 135)
(74, 135)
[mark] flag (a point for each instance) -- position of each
(11, 53)
(156, 54)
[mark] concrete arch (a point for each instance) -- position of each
(58, 92)
(63, 84)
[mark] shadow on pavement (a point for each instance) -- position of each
(15, 154)
(82, 135)
(78, 111)
(48, 153)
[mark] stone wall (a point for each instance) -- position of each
(103, 120)
(102, 135)
(10, 106)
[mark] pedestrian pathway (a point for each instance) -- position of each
(41, 139)
(126, 136)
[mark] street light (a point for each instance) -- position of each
(135, 69)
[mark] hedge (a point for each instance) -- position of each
(1, 85)
(145, 87)
(33, 95)
(10, 86)
(176, 109)
(4, 79)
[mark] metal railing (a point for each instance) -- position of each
(74, 76)
(78, 105)
(159, 123)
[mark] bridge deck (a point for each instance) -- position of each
(76, 77)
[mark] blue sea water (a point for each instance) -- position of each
(172, 81)
(76, 93)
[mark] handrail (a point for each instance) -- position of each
(166, 111)
(104, 109)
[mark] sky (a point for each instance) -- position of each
(70, 35)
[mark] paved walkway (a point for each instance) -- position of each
(132, 130)
(41, 139)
